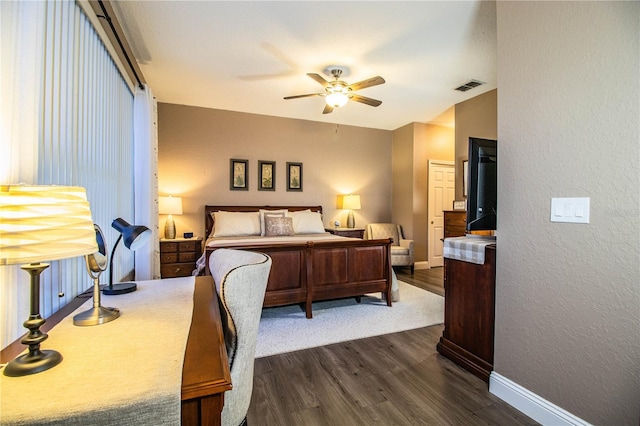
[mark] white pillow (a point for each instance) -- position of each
(230, 224)
(307, 222)
(279, 213)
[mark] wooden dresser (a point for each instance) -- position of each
(178, 256)
(469, 313)
(455, 223)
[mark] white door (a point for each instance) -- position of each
(442, 190)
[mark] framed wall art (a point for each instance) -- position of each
(238, 180)
(266, 175)
(294, 177)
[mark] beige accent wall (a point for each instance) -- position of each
(568, 295)
(195, 145)
(413, 146)
(476, 117)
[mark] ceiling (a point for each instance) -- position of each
(247, 56)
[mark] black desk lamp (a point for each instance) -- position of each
(135, 236)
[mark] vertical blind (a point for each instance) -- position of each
(84, 124)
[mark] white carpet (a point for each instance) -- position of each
(286, 329)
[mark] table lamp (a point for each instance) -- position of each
(96, 263)
(351, 202)
(37, 223)
(170, 205)
(135, 236)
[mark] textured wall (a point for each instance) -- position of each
(476, 117)
(568, 295)
(195, 146)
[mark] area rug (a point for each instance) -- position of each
(286, 329)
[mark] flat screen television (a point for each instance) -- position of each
(482, 189)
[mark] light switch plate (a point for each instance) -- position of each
(572, 210)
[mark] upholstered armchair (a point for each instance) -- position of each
(401, 249)
(241, 280)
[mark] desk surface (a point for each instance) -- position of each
(205, 369)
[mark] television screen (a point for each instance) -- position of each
(482, 198)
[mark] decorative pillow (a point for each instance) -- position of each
(280, 213)
(307, 222)
(278, 225)
(230, 224)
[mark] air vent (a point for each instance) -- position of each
(469, 85)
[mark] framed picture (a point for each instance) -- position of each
(294, 177)
(465, 177)
(238, 180)
(266, 175)
(460, 205)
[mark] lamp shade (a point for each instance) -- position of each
(44, 222)
(170, 205)
(351, 202)
(133, 236)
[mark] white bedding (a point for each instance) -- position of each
(298, 238)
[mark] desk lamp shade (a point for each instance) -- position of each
(134, 237)
(351, 202)
(38, 223)
(170, 206)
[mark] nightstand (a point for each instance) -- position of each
(178, 256)
(347, 232)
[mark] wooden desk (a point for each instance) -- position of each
(205, 373)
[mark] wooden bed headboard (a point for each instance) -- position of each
(208, 220)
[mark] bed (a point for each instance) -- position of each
(306, 266)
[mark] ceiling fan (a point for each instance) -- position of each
(338, 93)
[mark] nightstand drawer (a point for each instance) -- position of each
(168, 257)
(186, 257)
(174, 270)
(169, 247)
(188, 246)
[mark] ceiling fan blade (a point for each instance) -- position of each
(373, 81)
(303, 96)
(319, 79)
(365, 100)
(327, 109)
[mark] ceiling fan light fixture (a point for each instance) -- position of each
(337, 99)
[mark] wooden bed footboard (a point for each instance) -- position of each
(313, 271)
(316, 270)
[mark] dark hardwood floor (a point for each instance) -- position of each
(427, 279)
(394, 379)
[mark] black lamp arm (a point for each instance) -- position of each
(111, 261)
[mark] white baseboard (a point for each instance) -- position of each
(539, 409)
(421, 265)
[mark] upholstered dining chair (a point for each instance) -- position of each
(401, 248)
(241, 280)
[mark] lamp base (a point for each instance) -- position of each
(169, 228)
(351, 222)
(32, 363)
(123, 288)
(95, 316)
